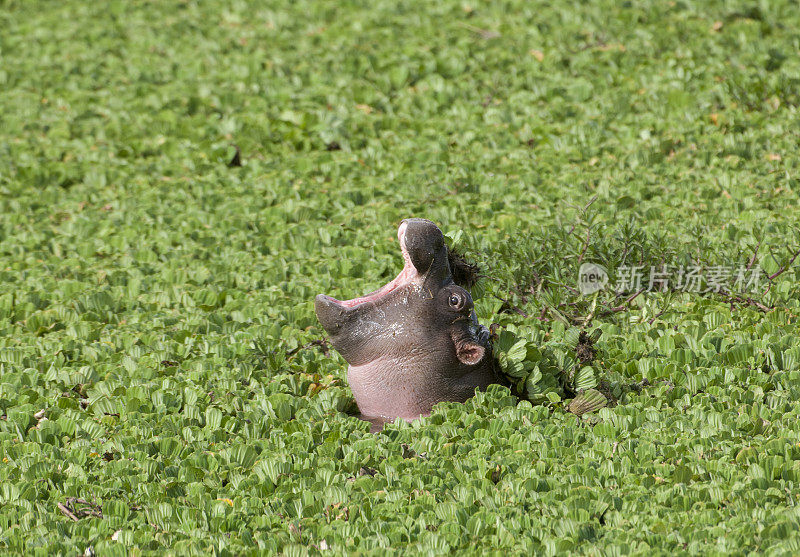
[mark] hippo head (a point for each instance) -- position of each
(414, 342)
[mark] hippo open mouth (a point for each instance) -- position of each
(415, 341)
(404, 279)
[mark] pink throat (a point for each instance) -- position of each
(406, 277)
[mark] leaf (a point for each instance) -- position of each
(532, 381)
(505, 341)
(213, 418)
(588, 401)
(739, 354)
(571, 336)
(585, 378)
(682, 474)
(518, 351)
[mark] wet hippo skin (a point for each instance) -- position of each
(414, 342)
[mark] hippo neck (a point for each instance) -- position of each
(390, 387)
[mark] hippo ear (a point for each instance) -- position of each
(469, 352)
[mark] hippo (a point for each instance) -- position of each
(414, 342)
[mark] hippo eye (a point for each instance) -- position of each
(455, 301)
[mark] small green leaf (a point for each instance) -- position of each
(585, 378)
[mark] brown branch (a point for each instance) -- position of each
(66, 512)
(511, 306)
(562, 285)
(621, 307)
(784, 267)
(745, 301)
(756, 303)
(753, 259)
(321, 342)
(543, 314)
(585, 246)
(656, 316)
(88, 509)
